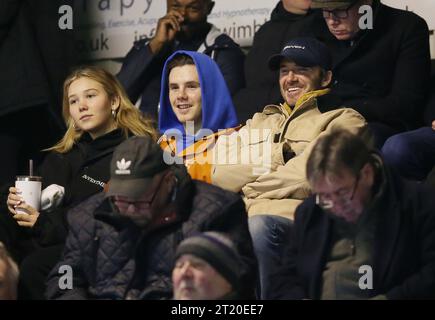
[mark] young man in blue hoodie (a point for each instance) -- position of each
(183, 27)
(195, 108)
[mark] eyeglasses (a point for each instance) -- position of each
(338, 13)
(342, 197)
(124, 204)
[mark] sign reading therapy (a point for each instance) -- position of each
(108, 28)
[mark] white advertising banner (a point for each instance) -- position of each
(108, 28)
(424, 8)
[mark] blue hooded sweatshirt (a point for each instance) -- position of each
(217, 107)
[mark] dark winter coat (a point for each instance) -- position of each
(403, 250)
(384, 73)
(112, 258)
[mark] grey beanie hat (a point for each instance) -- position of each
(218, 251)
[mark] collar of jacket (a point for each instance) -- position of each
(101, 146)
(108, 213)
(379, 192)
(199, 147)
(382, 188)
(390, 222)
(215, 39)
(308, 97)
(377, 8)
(303, 102)
(387, 195)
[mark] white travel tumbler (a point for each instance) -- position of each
(30, 191)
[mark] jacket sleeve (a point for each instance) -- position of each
(72, 257)
(230, 61)
(406, 98)
(290, 180)
(429, 114)
(421, 284)
(79, 247)
(238, 231)
(8, 11)
(234, 162)
(133, 73)
(51, 227)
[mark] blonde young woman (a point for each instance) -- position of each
(99, 116)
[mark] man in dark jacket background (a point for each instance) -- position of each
(382, 71)
(364, 234)
(184, 27)
(121, 245)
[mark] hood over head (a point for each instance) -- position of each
(218, 111)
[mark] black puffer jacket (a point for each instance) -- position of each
(112, 258)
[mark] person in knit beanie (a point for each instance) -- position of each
(207, 267)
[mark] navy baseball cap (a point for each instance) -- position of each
(305, 52)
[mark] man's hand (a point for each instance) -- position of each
(433, 125)
(167, 28)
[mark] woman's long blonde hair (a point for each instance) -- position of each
(128, 117)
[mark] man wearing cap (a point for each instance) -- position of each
(121, 244)
(265, 160)
(207, 267)
(289, 19)
(381, 62)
